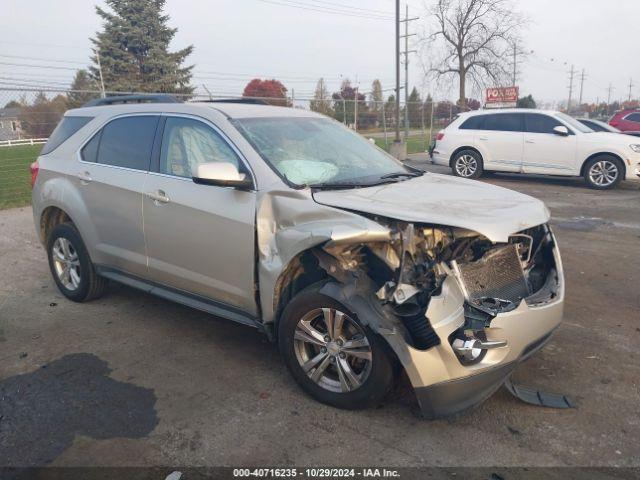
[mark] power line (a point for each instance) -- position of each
(37, 66)
(19, 57)
(384, 12)
(306, 6)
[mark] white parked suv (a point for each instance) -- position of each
(536, 141)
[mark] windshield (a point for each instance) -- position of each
(573, 123)
(319, 152)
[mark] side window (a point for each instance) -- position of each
(473, 123)
(127, 142)
(89, 152)
(538, 123)
(634, 117)
(504, 122)
(186, 143)
(65, 129)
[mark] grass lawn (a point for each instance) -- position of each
(15, 179)
(414, 144)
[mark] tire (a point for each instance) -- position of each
(467, 164)
(71, 267)
(335, 385)
(603, 172)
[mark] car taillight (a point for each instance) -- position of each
(440, 136)
(34, 168)
(614, 123)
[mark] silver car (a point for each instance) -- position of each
(286, 221)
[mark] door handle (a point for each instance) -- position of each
(484, 138)
(158, 197)
(529, 141)
(84, 177)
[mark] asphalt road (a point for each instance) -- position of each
(131, 379)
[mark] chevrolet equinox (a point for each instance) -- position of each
(285, 220)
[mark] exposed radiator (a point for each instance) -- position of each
(498, 274)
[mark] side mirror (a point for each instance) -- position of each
(221, 174)
(561, 130)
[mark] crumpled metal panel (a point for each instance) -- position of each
(289, 222)
(436, 199)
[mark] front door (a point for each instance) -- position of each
(200, 238)
(547, 152)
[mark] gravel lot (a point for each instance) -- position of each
(131, 379)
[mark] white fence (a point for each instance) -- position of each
(24, 141)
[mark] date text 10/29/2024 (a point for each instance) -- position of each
(315, 473)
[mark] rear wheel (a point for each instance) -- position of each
(331, 355)
(71, 266)
(603, 172)
(467, 164)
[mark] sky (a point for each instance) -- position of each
(237, 40)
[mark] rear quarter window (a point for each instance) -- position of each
(634, 117)
(65, 129)
(473, 123)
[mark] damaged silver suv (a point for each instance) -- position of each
(286, 221)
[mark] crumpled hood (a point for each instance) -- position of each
(494, 212)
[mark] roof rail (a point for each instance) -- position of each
(99, 102)
(248, 100)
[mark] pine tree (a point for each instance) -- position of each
(321, 102)
(415, 109)
(81, 89)
(376, 95)
(134, 49)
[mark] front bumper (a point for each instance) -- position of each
(443, 385)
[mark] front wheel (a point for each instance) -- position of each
(467, 164)
(331, 355)
(603, 172)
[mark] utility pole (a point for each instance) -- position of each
(630, 87)
(355, 107)
(571, 74)
(406, 69)
(609, 98)
(397, 139)
(582, 76)
(100, 71)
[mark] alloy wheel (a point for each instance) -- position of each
(466, 165)
(66, 263)
(333, 350)
(603, 173)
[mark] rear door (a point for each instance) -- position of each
(545, 151)
(200, 238)
(111, 174)
(502, 138)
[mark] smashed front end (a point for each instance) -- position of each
(459, 310)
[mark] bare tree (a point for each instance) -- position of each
(473, 38)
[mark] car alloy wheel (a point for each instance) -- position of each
(603, 173)
(66, 263)
(333, 350)
(466, 165)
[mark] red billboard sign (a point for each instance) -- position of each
(501, 97)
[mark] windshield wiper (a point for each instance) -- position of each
(401, 174)
(337, 185)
